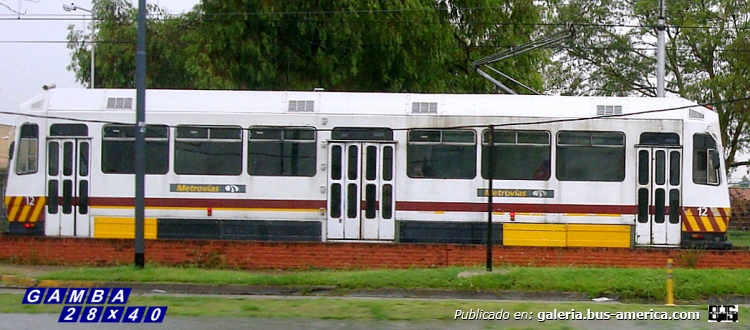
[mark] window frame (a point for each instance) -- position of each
(283, 140)
(127, 138)
(207, 139)
(711, 147)
(27, 159)
(516, 144)
(411, 173)
(591, 135)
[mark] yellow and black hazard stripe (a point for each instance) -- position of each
(25, 208)
(705, 219)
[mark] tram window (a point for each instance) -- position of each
(53, 159)
(644, 161)
(281, 151)
(28, 149)
(674, 206)
(519, 155)
(68, 130)
(706, 165)
(388, 163)
(362, 133)
(674, 168)
(441, 154)
(387, 201)
(335, 206)
(659, 139)
(590, 156)
(118, 149)
(208, 150)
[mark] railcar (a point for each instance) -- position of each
(376, 167)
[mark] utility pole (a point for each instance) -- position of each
(140, 130)
(660, 45)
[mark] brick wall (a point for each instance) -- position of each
(260, 255)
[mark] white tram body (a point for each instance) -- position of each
(331, 166)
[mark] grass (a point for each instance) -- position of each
(340, 308)
(739, 237)
(641, 284)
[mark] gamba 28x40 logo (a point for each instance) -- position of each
(95, 305)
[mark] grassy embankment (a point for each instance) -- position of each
(413, 310)
(637, 284)
(739, 238)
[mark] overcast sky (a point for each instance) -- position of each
(33, 46)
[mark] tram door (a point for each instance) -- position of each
(659, 196)
(68, 187)
(361, 191)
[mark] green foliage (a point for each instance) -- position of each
(340, 45)
(424, 313)
(614, 53)
(629, 284)
(739, 238)
(115, 41)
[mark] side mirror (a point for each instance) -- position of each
(11, 149)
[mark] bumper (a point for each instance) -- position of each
(21, 228)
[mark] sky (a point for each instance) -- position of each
(33, 48)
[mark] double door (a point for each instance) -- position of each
(659, 196)
(361, 200)
(67, 211)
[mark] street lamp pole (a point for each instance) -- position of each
(73, 7)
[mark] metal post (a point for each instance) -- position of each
(670, 285)
(140, 143)
(490, 178)
(93, 44)
(660, 45)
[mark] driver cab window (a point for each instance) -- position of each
(28, 149)
(706, 164)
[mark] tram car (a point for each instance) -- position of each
(372, 167)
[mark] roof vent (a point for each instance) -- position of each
(424, 107)
(117, 103)
(301, 106)
(608, 110)
(692, 114)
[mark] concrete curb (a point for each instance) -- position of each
(13, 280)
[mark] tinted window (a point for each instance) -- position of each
(441, 154)
(660, 139)
(590, 156)
(118, 149)
(706, 165)
(281, 152)
(204, 150)
(68, 130)
(519, 155)
(362, 133)
(28, 149)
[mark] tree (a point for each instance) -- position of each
(706, 56)
(116, 27)
(345, 45)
